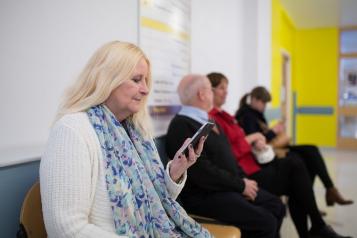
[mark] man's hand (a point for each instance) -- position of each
(250, 190)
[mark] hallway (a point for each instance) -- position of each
(342, 165)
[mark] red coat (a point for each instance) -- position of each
(236, 136)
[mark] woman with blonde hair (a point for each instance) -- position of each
(101, 175)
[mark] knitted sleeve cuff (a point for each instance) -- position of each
(173, 187)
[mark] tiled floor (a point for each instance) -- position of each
(342, 165)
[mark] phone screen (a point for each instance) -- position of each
(203, 131)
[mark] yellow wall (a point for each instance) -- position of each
(314, 68)
(316, 72)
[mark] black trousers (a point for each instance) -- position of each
(289, 176)
(314, 163)
(261, 218)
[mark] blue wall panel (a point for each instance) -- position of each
(15, 181)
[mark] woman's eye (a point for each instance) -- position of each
(137, 79)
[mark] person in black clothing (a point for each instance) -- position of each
(216, 187)
(286, 176)
(251, 118)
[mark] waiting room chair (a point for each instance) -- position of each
(32, 225)
(31, 218)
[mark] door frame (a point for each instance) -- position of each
(286, 76)
(344, 142)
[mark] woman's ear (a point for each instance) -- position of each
(252, 100)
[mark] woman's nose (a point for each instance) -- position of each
(144, 89)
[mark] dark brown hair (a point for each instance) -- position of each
(259, 93)
(216, 78)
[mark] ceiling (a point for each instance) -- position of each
(322, 13)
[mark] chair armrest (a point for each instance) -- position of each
(222, 231)
(217, 228)
(202, 219)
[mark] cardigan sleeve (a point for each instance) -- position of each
(66, 186)
(174, 188)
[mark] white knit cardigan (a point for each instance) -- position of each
(75, 200)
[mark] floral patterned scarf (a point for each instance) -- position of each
(135, 178)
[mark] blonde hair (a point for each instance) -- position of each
(109, 67)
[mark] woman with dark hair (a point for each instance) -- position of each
(288, 176)
(251, 118)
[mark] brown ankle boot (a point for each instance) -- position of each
(333, 196)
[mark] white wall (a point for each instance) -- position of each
(217, 42)
(233, 37)
(250, 41)
(44, 45)
(264, 34)
(257, 44)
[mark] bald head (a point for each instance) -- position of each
(195, 90)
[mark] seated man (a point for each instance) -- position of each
(287, 176)
(216, 187)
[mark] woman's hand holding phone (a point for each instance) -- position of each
(203, 131)
(181, 162)
(189, 151)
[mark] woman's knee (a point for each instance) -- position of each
(296, 162)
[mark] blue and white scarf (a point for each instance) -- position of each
(135, 178)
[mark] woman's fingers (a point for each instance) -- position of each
(184, 145)
(182, 156)
(181, 162)
(200, 146)
(192, 155)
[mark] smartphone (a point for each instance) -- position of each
(203, 131)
